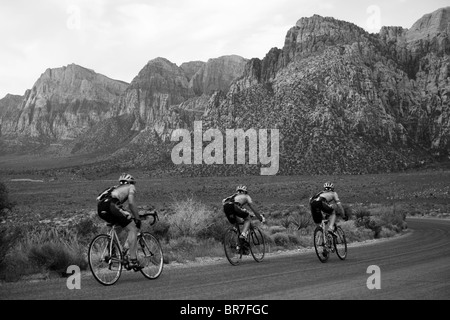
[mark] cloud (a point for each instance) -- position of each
(118, 37)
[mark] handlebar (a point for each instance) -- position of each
(152, 214)
(252, 215)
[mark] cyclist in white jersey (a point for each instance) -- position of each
(326, 201)
(111, 210)
(233, 207)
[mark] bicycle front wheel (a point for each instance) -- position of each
(340, 243)
(150, 256)
(320, 245)
(105, 259)
(257, 244)
(231, 246)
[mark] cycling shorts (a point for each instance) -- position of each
(232, 210)
(317, 207)
(110, 211)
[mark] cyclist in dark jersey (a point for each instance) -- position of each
(326, 201)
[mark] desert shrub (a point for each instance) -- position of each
(285, 222)
(16, 265)
(354, 233)
(86, 229)
(293, 239)
(160, 229)
(305, 241)
(55, 257)
(189, 248)
(387, 233)
(216, 226)
(371, 223)
(43, 248)
(275, 229)
(361, 213)
(348, 211)
(303, 220)
(182, 243)
(280, 239)
(395, 220)
(5, 203)
(8, 238)
(188, 218)
(275, 212)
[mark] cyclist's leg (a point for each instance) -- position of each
(243, 214)
(125, 223)
(331, 215)
(132, 240)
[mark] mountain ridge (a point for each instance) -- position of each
(382, 98)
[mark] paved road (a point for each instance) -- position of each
(415, 266)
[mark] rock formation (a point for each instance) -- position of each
(344, 100)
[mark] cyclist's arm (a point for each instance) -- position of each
(132, 206)
(341, 208)
(258, 215)
(339, 204)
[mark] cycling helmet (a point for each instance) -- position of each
(328, 186)
(242, 188)
(125, 177)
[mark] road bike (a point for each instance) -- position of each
(255, 244)
(107, 257)
(327, 243)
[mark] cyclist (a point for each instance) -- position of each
(233, 206)
(111, 210)
(326, 201)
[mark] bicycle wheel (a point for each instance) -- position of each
(340, 243)
(320, 246)
(231, 246)
(257, 244)
(105, 265)
(150, 255)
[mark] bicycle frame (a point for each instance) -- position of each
(323, 225)
(114, 238)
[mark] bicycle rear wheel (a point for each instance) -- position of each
(231, 246)
(321, 250)
(105, 264)
(340, 243)
(257, 244)
(150, 255)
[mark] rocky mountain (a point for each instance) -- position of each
(63, 103)
(9, 111)
(343, 100)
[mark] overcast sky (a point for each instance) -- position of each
(118, 37)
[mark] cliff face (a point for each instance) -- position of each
(344, 101)
(423, 53)
(164, 96)
(217, 74)
(63, 103)
(9, 112)
(158, 87)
